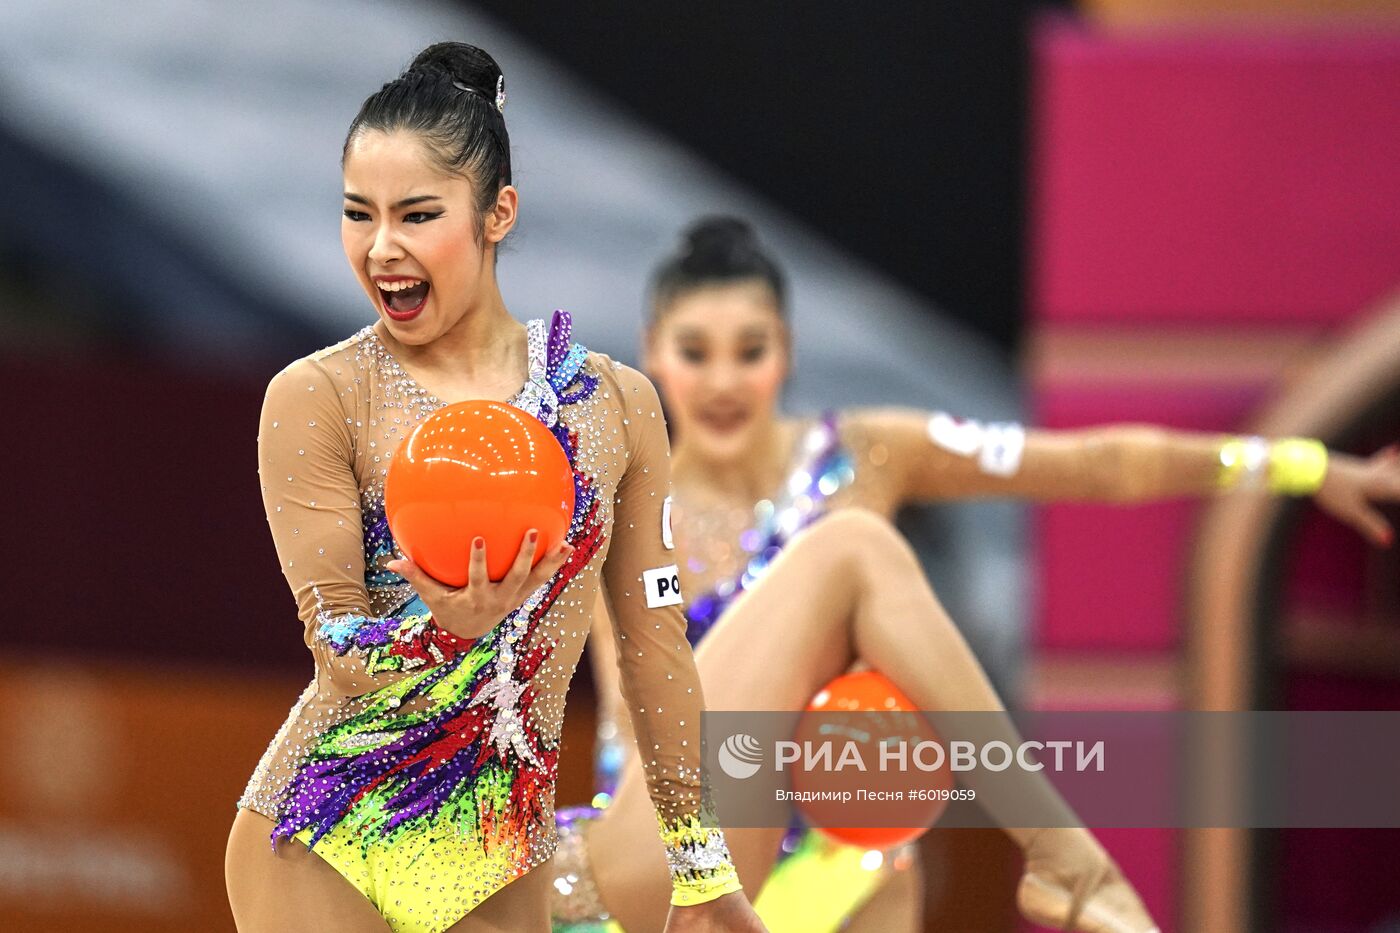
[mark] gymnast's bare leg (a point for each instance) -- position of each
(848, 588)
(290, 891)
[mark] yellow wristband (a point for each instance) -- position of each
(1242, 462)
(1297, 466)
(701, 869)
(690, 893)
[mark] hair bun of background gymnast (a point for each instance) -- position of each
(718, 241)
(713, 250)
(468, 68)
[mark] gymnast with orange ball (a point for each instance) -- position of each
(411, 787)
(781, 601)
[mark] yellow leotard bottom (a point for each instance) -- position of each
(424, 881)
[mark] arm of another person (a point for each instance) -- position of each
(933, 455)
(312, 502)
(657, 675)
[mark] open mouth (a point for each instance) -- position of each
(403, 303)
(723, 421)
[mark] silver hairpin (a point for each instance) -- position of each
(500, 92)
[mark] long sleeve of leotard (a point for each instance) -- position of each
(312, 500)
(934, 455)
(659, 681)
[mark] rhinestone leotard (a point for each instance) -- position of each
(420, 765)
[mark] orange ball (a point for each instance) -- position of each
(861, 691)
(863, 694)
(477, 469)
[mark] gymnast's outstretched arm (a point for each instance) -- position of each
(929, 455)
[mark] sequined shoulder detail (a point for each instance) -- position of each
(345, 344)
(394, 377)
(824, 466)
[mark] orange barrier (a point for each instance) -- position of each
(118, 784)
(117, 791)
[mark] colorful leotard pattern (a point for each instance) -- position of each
(420, 765)
(825, 469)
(817, 883)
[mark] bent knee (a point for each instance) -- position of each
(866, 533)
(850, 523)
(857, 540)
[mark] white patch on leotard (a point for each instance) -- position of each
(961, 436)
(1001, 448)
(666, 538)
(663, 586)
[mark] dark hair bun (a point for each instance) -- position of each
(453, 96)
(719, 240)
(462, 63)
(713, 250)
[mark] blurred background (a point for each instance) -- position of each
(1184, 212)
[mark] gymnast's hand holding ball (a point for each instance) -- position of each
(470, 482)
(473, 610)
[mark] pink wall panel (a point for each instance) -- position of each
(1109, 575)
(1195, 177)
(1244, 179)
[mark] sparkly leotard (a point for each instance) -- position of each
(420, 765)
